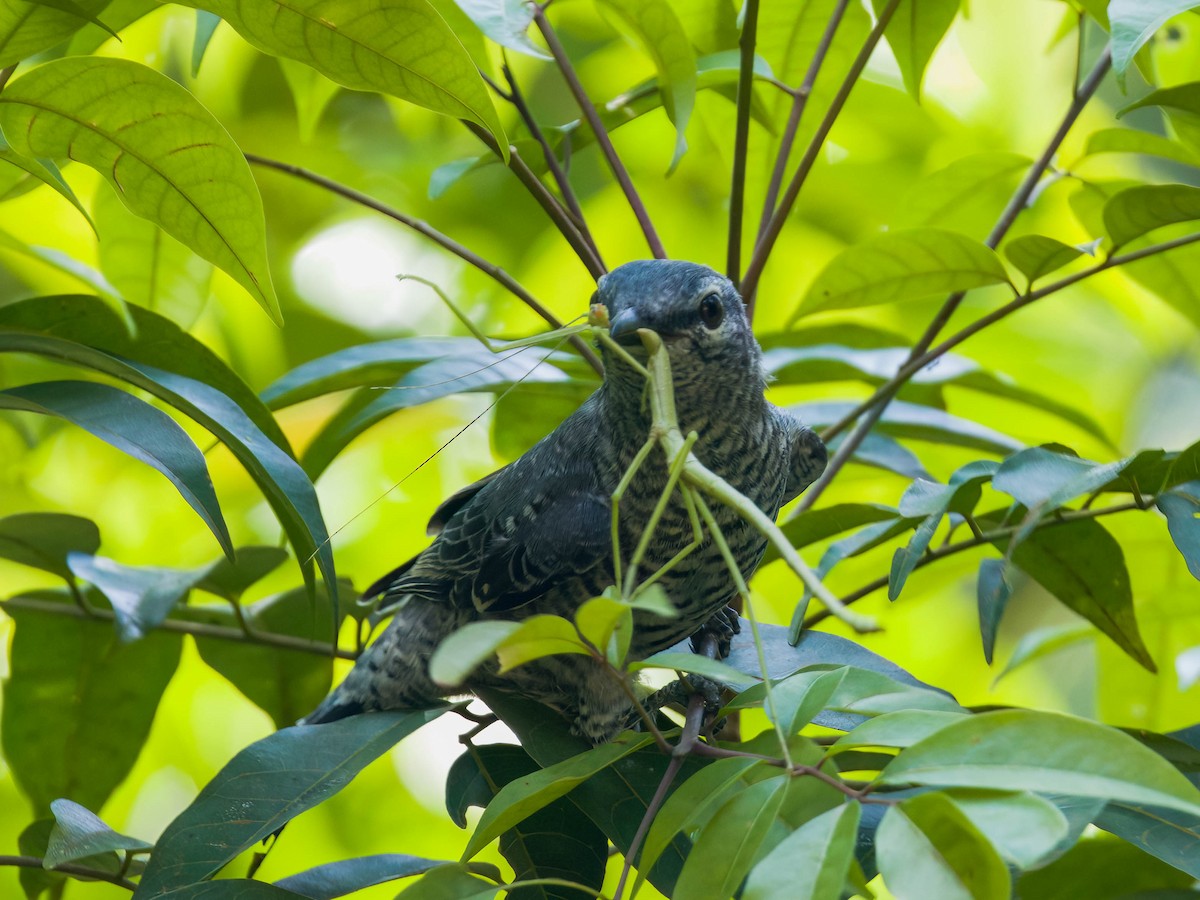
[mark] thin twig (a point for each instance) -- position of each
(517, 98)
(766, 241)
(183, 626)
(741, 139)
(554, 210)
(799, 102)
(1008, 216)
(35, 862)
(602, 139)
(495, 272)
(984, 537)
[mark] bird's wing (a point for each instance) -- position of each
(455, 502)
(808, 455)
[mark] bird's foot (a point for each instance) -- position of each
(680, 692)
(722, 625)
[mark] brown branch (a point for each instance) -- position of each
(35, 862)
(741, 140)
(766, 241)
(602, 139)
(970, 543)
(183, 626)
(446, 242)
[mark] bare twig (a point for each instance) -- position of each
(602, 139)
(183, 626)
(766, 241)
(35, 862)
(741, 139)
(495, 272)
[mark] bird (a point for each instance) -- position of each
(535, 536)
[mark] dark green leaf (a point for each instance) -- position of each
(813, 525)
(811, 863)
(134, 427)
(1183, 97)
(1028, 750)
(141, 596)
(206, 26)
(1172, 836)
(349, 875)
(33, 841)
(992, 592)
(73, 684)
(914, 32)
(79, 833)
(919, 422)
(230, 578)
(44, 540)
(402, 48)
(1136, 211)
(902, 265)
(451, 882)
(1182, 511)
(286, 684)
(233, 889)
(157, 146)
(905, 559)
(1036, 255)
(266, 785)
(27, 27)
(927, 847)
(1105, 869)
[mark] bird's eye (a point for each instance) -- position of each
(711, 311)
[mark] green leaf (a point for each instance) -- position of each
(992, 593)
(311, 92)
(896, 729)
(233, 889)
(1172, 836)
(905, 559)
(911, 420)
(657, 28)
(38, 170)
(538, 636)
(927, 847)
(506, 22)
(397, 47)
(206, 27)
(813, 525)
(1183, 97)
(1136, 211)
(1028, 750)
(141, 596)
(32, 841)
(527, 795)
(148, 266)
(28, 27)
(79, 833)
(44, 540)
(164, 153)
(729, 842)
(902, 265)
(462, 652)
(1131, 140)
(811, 863)
(74, 685)
(1182, 511)
(265, 786)
(346, 876)
(1042, 642)
(72, 268)
(1023, 827)
(916, 29)
(1104, 868)
(1083, 566)
(134, 427)
(1042, 478)
(285, 684)
(230, 578)
(942, 198)
(1035, 255)
(700, 665)
(1134, 23)
(451, 882)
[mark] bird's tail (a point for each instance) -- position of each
(393, 673)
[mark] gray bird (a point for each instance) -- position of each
(535, 536)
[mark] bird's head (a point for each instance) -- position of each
(699, 316)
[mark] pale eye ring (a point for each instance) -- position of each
(712, 312)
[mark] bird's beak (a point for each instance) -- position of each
(624, 328)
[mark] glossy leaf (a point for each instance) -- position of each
(346, 876)
(265, 786)
(527, 795)
(1023, 827)
(167, 157)
(506, 22)
(919, 422)
(1183, 97)
(1183, 521)
(230, 578)
(811, 863)
(79, 833)
(927, 847)
(38, 171)
(1136, 211)
(28, 27)
(134, 427)
(73, 684)
(1040, 477)
(452, 882)
(233, 889)
(1130, 140)
(729, 842)
(902, 265)
(1028, 750)
(1035, 255)
(45, 540)
(699, 665)
(896, 729)
(141, 596)
(401, 47)
(658, 29)
(914, 33)
(1134, 23)
(1172, 836)
(992, 593)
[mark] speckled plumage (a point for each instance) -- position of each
(534, 537)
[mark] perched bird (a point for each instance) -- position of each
(535, 536)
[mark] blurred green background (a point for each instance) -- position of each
(998, 83)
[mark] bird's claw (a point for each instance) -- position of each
(722, 625)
